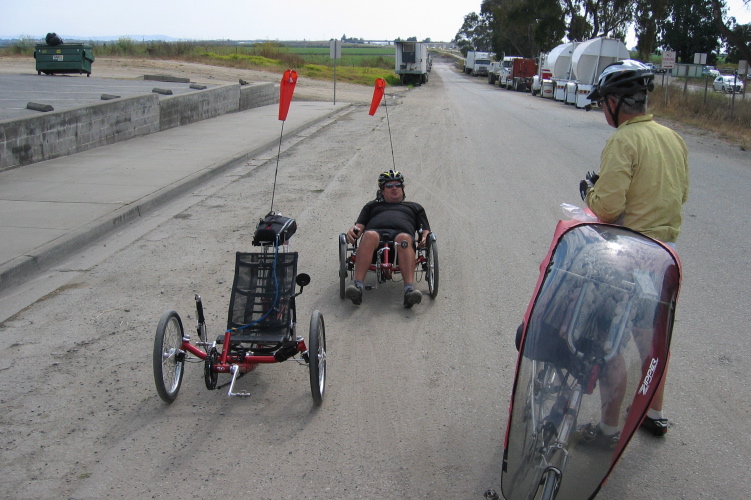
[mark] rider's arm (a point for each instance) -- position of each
(607, 199)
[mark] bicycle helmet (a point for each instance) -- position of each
(388, 176)
(624, 79)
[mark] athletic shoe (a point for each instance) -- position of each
(591, 435)
(354, 293)
(656, 426)
(412, 297)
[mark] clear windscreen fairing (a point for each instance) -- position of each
(596, 340)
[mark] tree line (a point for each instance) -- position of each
(528, 27)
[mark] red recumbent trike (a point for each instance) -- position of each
(385, 264)
(261, 327)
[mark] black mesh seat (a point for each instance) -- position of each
(261, 305)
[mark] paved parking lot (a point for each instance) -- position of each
(71, 91)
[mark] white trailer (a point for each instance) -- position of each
(412, 62)
(559, 63)
(588, 61)
(477, 63)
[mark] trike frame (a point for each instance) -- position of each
(385, 263)
(240, 352)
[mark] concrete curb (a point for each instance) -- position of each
(46, 256)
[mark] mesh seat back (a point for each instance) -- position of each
(261, 292)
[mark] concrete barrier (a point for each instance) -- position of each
(259, 94)
(60, 133)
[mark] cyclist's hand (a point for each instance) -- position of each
(353, 234)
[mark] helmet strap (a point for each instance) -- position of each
(614, 114)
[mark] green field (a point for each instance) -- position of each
(360, 64)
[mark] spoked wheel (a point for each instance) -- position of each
(317, 357)
(168, 358)
(431, 269)
(342, 264)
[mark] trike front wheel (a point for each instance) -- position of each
(168, 358)
(317, 357)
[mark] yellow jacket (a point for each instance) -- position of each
(643, 179)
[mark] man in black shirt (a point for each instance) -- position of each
(394, 219)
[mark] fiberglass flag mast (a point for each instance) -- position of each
(286, 89)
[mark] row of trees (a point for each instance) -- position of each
(528, 27)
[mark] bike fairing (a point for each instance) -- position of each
(652, 368)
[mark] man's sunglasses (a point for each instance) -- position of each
(390, 185)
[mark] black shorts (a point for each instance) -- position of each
(389, 234)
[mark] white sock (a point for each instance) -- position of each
(608, 430)
(654, 414)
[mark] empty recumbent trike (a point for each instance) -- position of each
(261, 324)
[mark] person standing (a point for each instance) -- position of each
(642, 183)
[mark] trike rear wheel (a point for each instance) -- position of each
(431, 271)
(317, 357)
(168, 357)
(342, 264)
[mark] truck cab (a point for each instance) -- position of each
(504, 72)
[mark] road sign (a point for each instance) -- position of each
(700, 58)
(335, 49)
(668, 59)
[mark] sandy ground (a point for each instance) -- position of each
(121, 68)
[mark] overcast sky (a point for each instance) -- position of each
(249, 19)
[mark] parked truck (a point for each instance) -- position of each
(477, 63)
(522, 72)
(412, 62)
(503, 78)
(588, 61)
(542, 84)
(493, 72)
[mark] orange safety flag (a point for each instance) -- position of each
(286, 90)
(380, 86)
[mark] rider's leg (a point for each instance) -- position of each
(365, 250)
(612, 390)
(406, 257)
(405, 252)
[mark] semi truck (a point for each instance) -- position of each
(477, 63)
(504, 71)
(542, 84)
(522, 72)
(412, 62)
(587, 62)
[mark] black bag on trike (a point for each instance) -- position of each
(594, 346)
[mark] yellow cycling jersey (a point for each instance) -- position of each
(644, 179)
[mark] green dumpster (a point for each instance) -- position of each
(64, 58)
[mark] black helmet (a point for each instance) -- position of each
(388, 176)
(624, 79)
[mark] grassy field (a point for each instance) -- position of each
(717, 112)
(358, 64)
